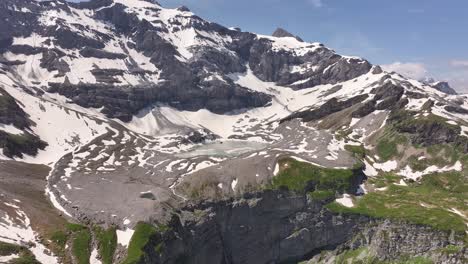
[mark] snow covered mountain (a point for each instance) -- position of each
(157, 124)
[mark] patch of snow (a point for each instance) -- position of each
(386, 166)
(407, 172)
(6, 259)
(234, 184)
(306, 161)
(275, 172)
(369, 170)
(10, 129)
(71, 128)
(381, 189)
(354, 121)
(346, 200)
(123, 237)
(334, 147)
(93, 259)
(401, 183)
(18, 230)
(55, 203)
(451, 122)
(455, 211)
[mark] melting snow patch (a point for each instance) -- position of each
(457, 212)
(451, 122)
(93, 259)
(234, 184)
(369, 171)
(464, 131)
(407, 172)
(386, 166)
(6, 259)
(203, 165)
(10, 129)
(346, 200)
(56, 204)
(354, 121)
(19, 231)
(334, 147)
(275, 172)
(172, 164)
(381, 189)
(306, 161)
(401, 183)
(123, 237)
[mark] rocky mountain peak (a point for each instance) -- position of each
(444, 87)
(282, 33)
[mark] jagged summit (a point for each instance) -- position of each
(281, 33)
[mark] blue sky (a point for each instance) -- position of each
(417, 37)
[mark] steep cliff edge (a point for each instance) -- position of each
(277, 227)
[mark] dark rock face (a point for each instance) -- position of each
(10, 112)
(52, 61)
(388, 90)
(281, 33)
(392, 240)
(16, 145)
(272, 228)
(387, 96)
(456, 109)
(88, 52)
(365, 109)
(444, 87)
(197, 137)
(274, 66)
(328, 108)
(377, 70)
(277, 227)
(123, 102)
(185, 84)
(428, 132)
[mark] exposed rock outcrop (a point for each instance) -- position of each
(188, 78)
(281, 33)
(276, 227)
(15, 145)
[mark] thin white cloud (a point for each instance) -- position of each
(412, 70)
(316, 3)
(459, 63)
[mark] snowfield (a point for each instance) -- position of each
(16, 229)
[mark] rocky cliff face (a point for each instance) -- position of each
(156, 56)
(274, 227)
(277, 227)
(16, 139)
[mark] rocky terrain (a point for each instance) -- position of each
(134, 133)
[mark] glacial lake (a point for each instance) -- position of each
(228, 148)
